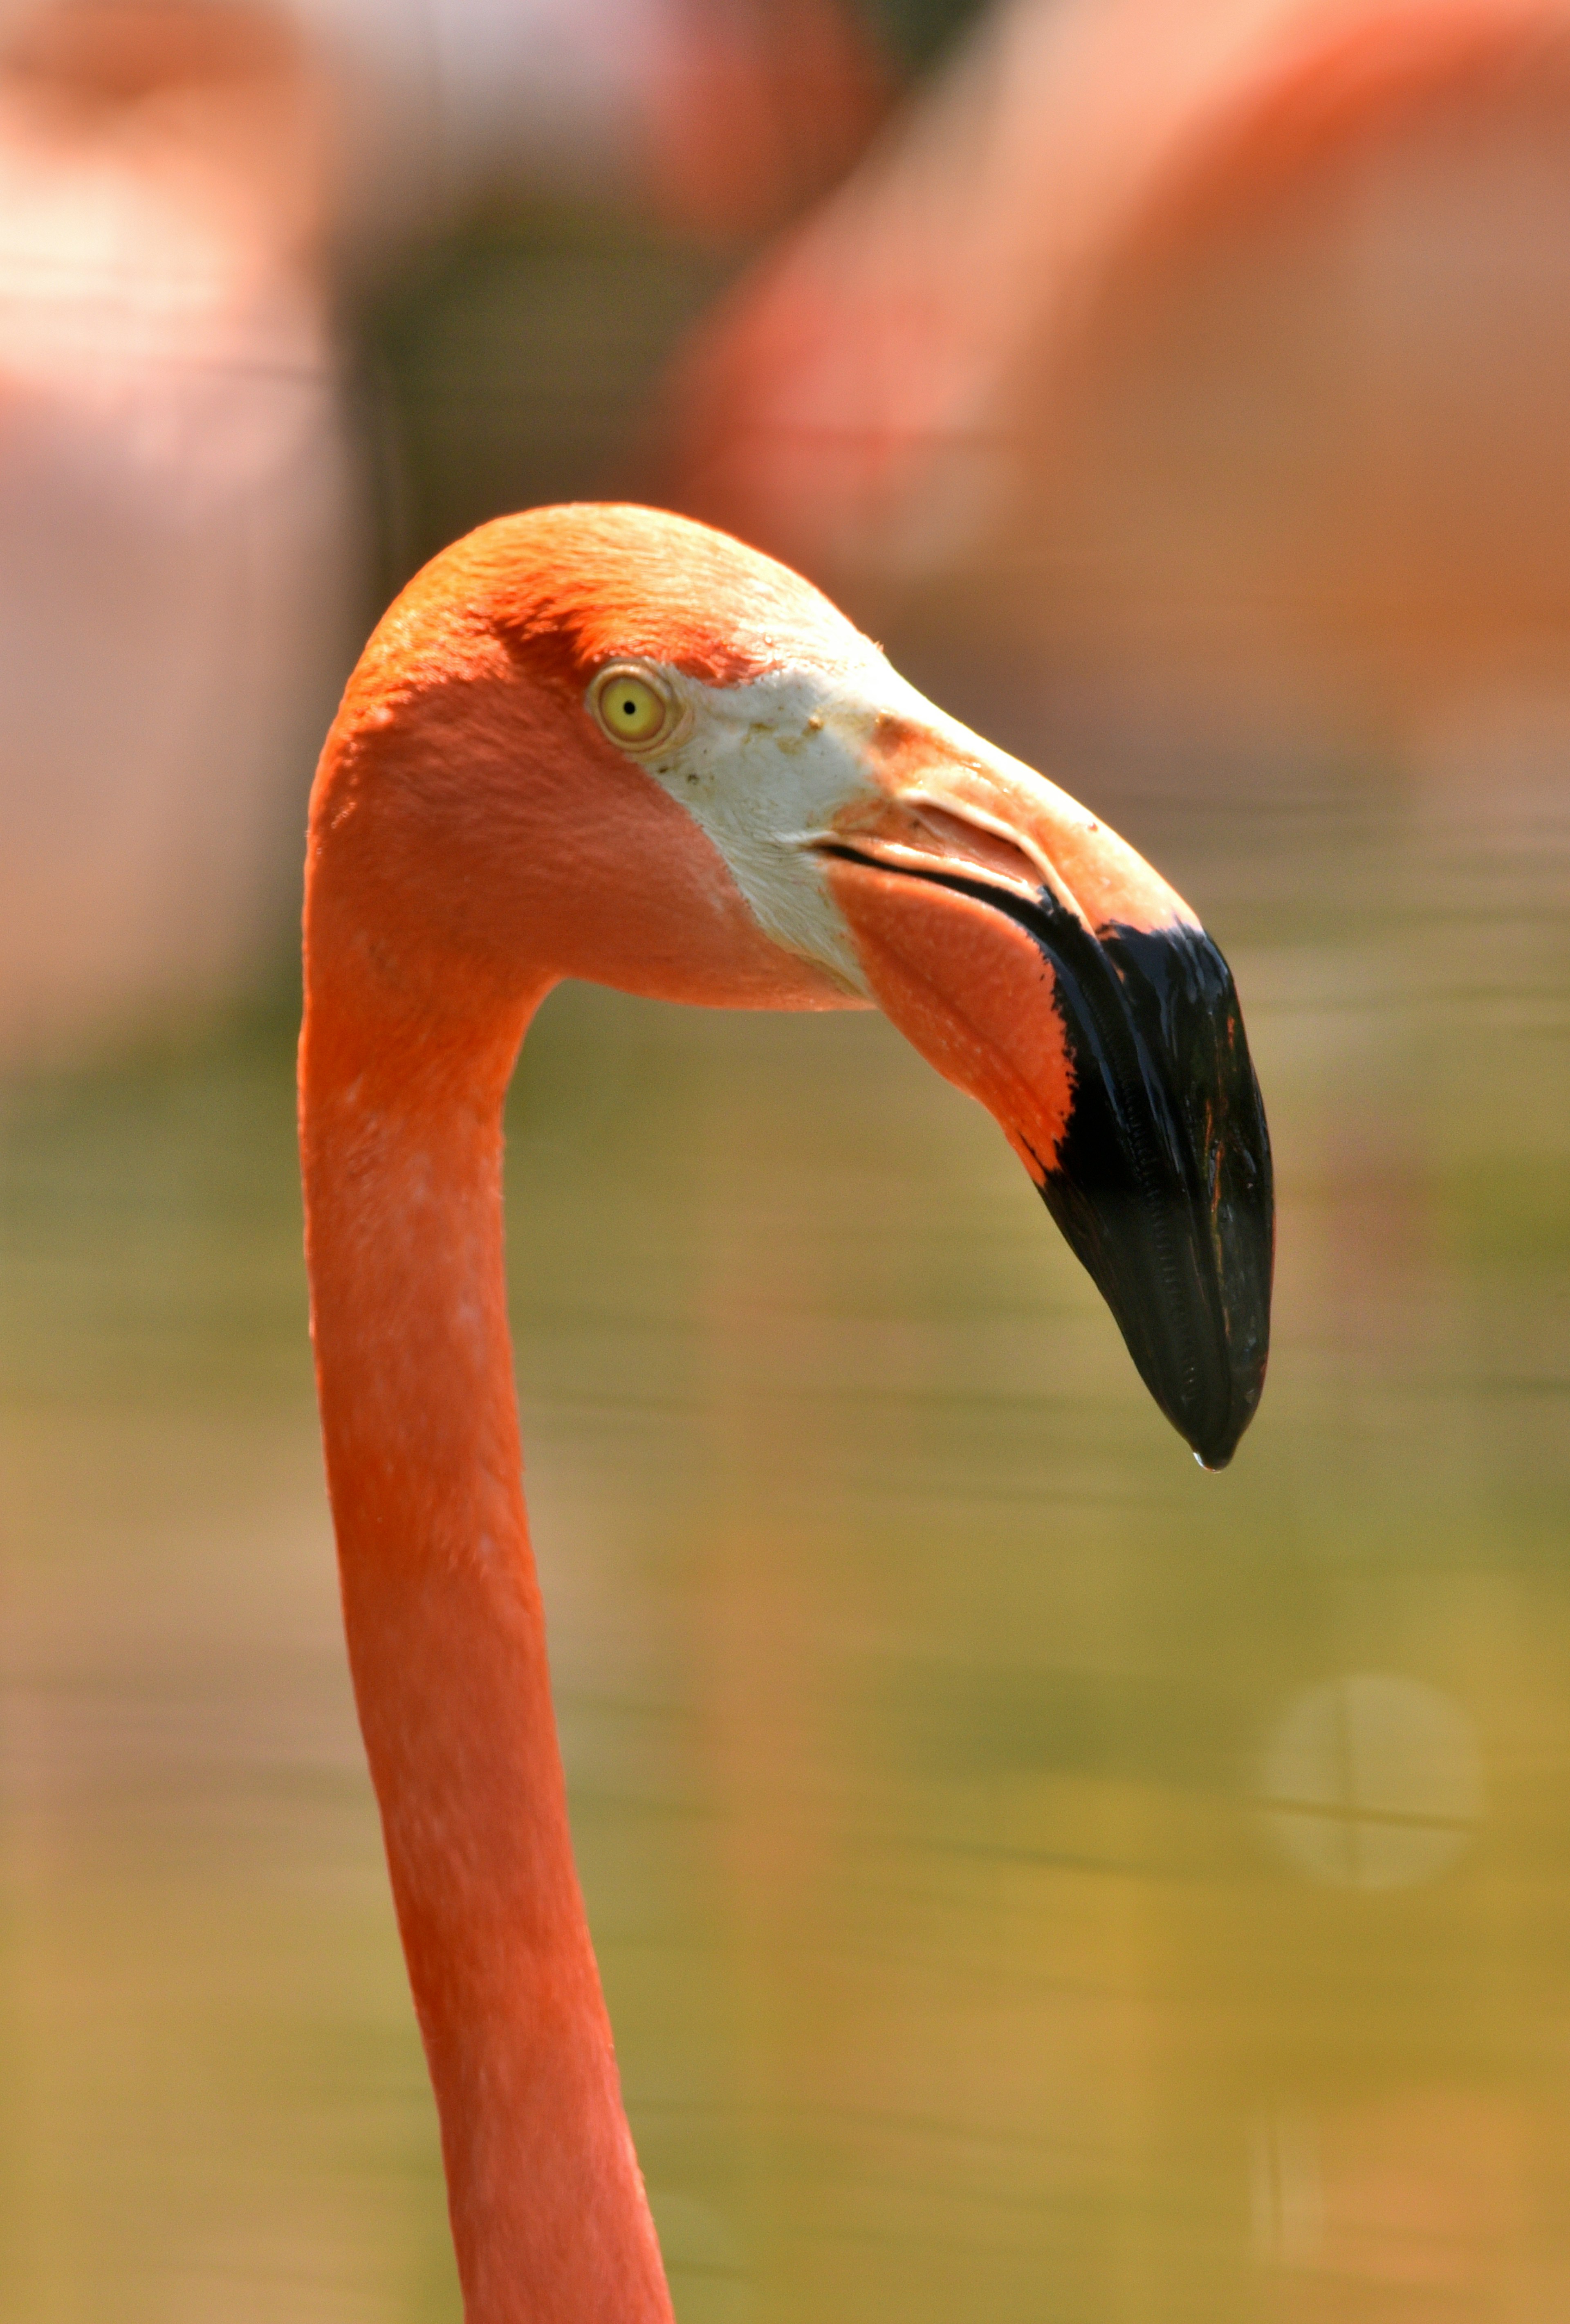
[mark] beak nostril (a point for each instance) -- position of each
(918, 835)
(964, 842)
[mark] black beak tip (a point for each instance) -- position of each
(1163, 1182)
(1213, 1448)
(1213, 1424)
(1193, 1307)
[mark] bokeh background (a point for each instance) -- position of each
(1035, 1881)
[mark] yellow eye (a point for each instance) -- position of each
(630, 707)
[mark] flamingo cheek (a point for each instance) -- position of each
(973, 992)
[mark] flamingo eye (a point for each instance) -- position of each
(632, 707)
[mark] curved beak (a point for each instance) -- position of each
(1040, 963)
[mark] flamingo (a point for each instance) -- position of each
(175, 502)
(609, 742)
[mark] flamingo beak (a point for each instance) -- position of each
(1036, 961)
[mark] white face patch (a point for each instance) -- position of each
(765, 769)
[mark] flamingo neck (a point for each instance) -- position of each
(401, 1142)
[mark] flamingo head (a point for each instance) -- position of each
(608, 742)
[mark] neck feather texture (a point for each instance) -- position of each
(401, 1140)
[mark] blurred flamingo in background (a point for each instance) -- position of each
(183, 186)
(174, 501)
(1226, 345)
(714, 118)
(602, 743)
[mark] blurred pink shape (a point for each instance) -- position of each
(174, 550)
(762, 103)
(177, 546)
(714, 117)
(1244, 321)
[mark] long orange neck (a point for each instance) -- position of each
(401, 1138)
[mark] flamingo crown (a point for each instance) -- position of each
(606, 743)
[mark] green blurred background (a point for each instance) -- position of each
(1032, 1878)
